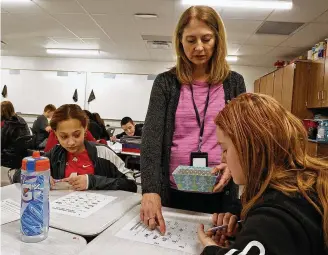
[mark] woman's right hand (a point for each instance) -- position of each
(225, 219)
(151, 211)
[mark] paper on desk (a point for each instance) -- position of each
(180, 234)
(80, 204)
(10, 211)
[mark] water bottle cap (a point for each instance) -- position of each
(36, 154)
(35, 163)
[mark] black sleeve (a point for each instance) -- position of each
(95, 130)
(241, 87)
(40, 124)
(152, 138)
(119, 136)
(4, 136)
(269, 230)
(116, 175)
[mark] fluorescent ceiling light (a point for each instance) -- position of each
(232, 58)
(145, 15)
(72, 52)
(282, 5)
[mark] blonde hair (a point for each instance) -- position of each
(272, 148)
(7, 110)
(218, 66)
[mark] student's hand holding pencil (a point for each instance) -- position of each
(224, 219)
(226, 226)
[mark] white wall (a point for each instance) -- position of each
(250, 73)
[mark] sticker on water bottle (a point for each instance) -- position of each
(32, 205)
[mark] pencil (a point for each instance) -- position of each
(221, 227)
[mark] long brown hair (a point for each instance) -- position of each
(218, 66)
(66, 112)
(7, 110)
(272, 147)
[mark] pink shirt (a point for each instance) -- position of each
(186, 133)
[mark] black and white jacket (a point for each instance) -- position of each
(278, 225)
(110, 171)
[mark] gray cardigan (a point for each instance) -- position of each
(159, 128)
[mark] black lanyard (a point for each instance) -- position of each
(201, 125)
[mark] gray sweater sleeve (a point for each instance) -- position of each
(152, 138)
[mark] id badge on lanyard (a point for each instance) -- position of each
(199, 158)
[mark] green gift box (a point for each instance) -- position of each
(196, 179)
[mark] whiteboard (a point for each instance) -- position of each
(125, 95)
(30, 91)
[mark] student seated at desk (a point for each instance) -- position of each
(12, 127)
(130, 129)
(104, 135)
(97, 166)
(41, 126)
(285, 197)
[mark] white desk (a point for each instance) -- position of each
(57, 242)
(92, 225)
(108, 243)
(98, 221)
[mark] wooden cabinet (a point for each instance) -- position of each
(318, 149)
(263, 83)
(269, 84)
(289, 86)
(277, 87)
(316, 85)
(324, 97)
(257, 86)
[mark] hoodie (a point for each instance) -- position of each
(12, 129)
(278, 225)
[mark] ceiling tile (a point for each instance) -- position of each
(155, 27)
(246, 14)
(62, 7)
(323, 18)
(302, 11)
(308, 36)
(268, 40)
(31, 25)
(254, 50)
(24, 7)
(116, 33)
(130, 7)
(286, 52)
(241, 26)
(233, 48)
(81, 24)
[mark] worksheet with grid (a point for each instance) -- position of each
(80, 204)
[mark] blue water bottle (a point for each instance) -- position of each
(35, 186)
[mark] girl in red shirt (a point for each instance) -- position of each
(95, 166)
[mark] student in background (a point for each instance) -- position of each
(101, 123)
(41, 127)
(130, 129)
(93, 126)
(97, 166)
(12, 127)
(285, 198)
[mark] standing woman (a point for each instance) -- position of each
(180, 119)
